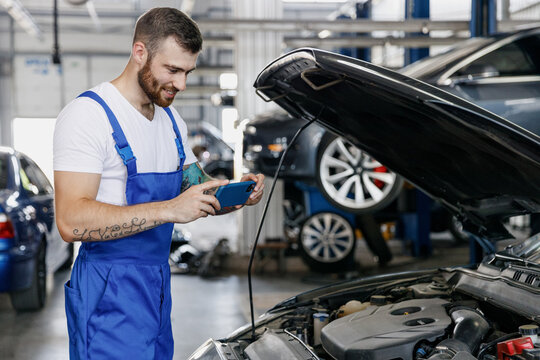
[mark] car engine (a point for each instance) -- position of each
(444, 316)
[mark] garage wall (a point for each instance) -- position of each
(6, 99)
(253, 51)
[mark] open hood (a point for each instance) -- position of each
(482, 167)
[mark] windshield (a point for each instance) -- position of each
(450, 55)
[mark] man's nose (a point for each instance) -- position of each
(180, 83)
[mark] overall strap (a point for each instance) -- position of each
(122, 146)
(178, 140)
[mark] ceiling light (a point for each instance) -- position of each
(18, 12)
(324, 34)
(228, 81)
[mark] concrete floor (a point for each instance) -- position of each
(202, 308)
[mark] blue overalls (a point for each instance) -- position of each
(118, 301)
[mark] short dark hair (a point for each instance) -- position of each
(157, 24)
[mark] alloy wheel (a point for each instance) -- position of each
(327, 237)
(353, 180)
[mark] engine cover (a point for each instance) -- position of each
(386, 332)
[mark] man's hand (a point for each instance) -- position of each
(257, 193)
(195, 202)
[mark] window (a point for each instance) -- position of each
(32, 178)
(519, 58)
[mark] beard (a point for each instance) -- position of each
(151, 86)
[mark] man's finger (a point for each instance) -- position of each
(208, 209)
(212, 201)
(213, 184)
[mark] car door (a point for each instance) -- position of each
(505, 79)
(41, 198)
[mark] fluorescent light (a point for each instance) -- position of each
(324, 34)
(18, 12)
(228, 81)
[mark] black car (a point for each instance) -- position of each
(214, 155)
(482, 167)
(500, 73)
(30, 245)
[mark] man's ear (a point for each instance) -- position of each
(139, 53)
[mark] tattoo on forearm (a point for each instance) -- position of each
(114, 231)
(193, 175)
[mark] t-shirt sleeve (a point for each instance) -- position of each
(190, 157)
(80, 137)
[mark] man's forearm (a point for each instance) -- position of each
(91, 220)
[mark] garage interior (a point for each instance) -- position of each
(51, 51)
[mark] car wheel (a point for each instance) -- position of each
(327, 242)
(352, 180)
(69, 261)
(34, 297)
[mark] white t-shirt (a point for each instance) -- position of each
(83, 141)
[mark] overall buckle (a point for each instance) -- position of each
(125, 153)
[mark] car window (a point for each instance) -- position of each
(440, 62)
(32, 178)
(4, 170)
(518, 58)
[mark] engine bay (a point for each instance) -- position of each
(429, 318)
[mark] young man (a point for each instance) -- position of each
(119, 194)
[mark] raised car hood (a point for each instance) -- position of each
(481, 166)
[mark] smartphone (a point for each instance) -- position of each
(234, 193)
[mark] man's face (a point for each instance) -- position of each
(166, 72)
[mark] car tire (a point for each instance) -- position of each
(327, 242)
(34, 297)
(69, 261)
(352, 180)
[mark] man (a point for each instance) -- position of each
(119, 194)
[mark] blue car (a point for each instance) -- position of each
(30, 245)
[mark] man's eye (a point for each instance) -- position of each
(172, 71)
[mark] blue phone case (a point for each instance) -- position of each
(235, 193)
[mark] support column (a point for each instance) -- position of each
(483, 17)
(363, 11)
(416, 9)
(253, 51)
